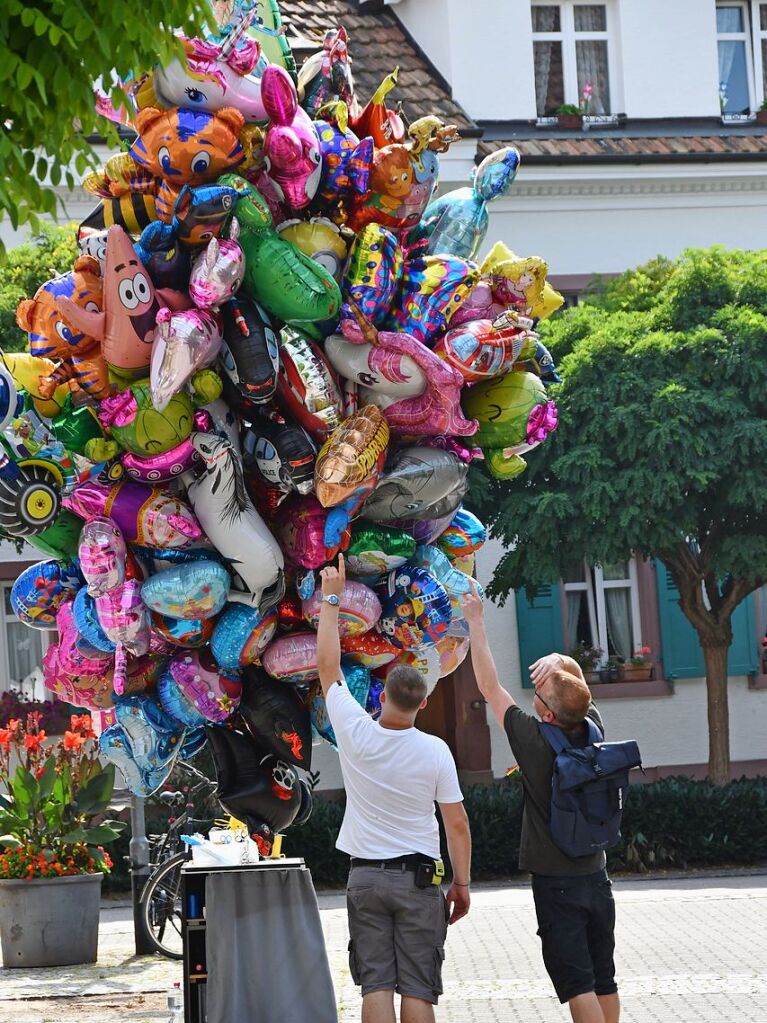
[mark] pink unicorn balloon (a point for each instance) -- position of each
(438, 409)
(183, 343)
(291, 145)
(217, 272)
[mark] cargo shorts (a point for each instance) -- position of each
(397, 933)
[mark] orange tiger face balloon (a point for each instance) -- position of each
(188, 147)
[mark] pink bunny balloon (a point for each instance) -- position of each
(217, 271)
(438, 409)
(183, 343)
(291, 145)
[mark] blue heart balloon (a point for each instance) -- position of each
(196, 590)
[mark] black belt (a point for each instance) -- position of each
(399, 863)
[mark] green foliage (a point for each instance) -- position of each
(50, 56)
(661, 434)
(26, 268)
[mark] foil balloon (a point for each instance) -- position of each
(418, 483)
(433, 412)
(59, 540)
(351, 459)
(140, 427)
(346, 159)
(373, 702)
(542, 362)
(373, 272)
(452, 653)
(144, 514)
(483, 349)
(196, 590)
(170, 464)
(279, 454)
(125, 326)
(319, 239)
(241, 635)
(425, 530)
(115, 747)
(291, 145)
(193, 690)
(415, 608)
(201, 213)
(307, 388)
(230, 521)
(302, 532)
(357, 677)
(251, 785)
(520, 282)
(425, 659)
(102, 554)
(143, 743)
(456, 584)
(70, 659)
(166, 262)
(91, 639)
(212, 76)
(51, 336)
(375, 550)
(383, 125)
(465, 535)
(94, 692)
(217, 272)
(183, 632)
(457, 222)
(306, 808)
(250, 352)
(325, 77)
(368, 648)
(514, 416)
(432, 289)
(277, 719)
(289, 284)
(292, 658)
(125, 620)
(290, 615)
(183, 343)
(395, 197)
(193, 743)
(358, 611)
(40, 590)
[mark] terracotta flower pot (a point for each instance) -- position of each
(761, 118)
(570, 121)
(637, 672)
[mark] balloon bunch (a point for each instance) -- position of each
(274, 346)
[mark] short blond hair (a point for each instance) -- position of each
(569, 698)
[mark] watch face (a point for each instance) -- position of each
(332, 599)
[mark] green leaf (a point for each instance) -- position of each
(97, 792)
(10, 842)
(26, 791)
(101, 834)
(75, 835)
(47, 778)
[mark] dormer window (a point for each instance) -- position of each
(571, 53)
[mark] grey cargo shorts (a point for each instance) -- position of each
(397, 933)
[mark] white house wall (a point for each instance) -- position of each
(669, 729)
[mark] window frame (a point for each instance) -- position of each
(749, 38)
(568, 37)
(759, 35)
(46, 637)
(597, 605)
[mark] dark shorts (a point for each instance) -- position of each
(397, 933)
(576, 924)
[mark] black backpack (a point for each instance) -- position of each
(587, 789)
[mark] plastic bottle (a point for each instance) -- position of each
(175, 1004)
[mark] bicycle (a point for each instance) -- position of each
(161, 909)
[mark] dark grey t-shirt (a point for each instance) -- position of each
(537, 851)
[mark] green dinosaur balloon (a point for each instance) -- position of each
(287, 283)
(503, 406)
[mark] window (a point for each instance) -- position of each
(760, 48)
(603, 608)
(23, 653)
(570, 50)
(733, 38)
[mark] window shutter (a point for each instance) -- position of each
(539, 622)
(682, 653)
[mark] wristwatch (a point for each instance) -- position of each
(331, 599)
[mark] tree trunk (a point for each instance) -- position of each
(718, 713)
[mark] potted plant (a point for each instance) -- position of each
(52, 859)
(761, 115)
(639, 666)
(587, 658)
(612, 670)
(571, 116)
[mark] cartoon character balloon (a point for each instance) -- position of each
(291, 146)
(241, 635)
(196, 590)
(415, 609)
(358, 611)
(418, 483)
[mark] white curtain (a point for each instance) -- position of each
(25, 652)
(733, 78)
(574, 600)
(546, 19)
(591, 59)
(618, 607)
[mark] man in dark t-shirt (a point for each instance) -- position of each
(573, 896)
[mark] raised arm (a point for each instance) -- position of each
(328, 640)
(482, 660)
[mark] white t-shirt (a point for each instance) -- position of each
(392, 778)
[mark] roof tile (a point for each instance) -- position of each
(622, 146)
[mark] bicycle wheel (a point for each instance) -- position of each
(161, 907)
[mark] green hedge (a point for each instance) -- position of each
(674, 823)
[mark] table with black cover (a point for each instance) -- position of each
(256, 954)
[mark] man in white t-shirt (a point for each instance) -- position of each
(393, 775)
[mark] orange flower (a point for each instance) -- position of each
(34, 742)
(73, 741)
(14, 727)
(5, 738)
(83, 725)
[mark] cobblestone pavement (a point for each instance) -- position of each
(689, 950)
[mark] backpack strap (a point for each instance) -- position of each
(557, 737)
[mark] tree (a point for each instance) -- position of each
(26, 268)
(661, 448)
(51, 54)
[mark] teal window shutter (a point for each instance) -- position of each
(682, 653)
(539, 622)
